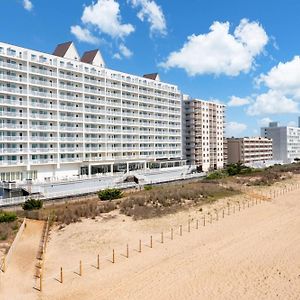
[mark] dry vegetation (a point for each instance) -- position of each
(264, 178)
(159, 200)
(8, 232)
(66, 213)
(168, 199)
(154, 202)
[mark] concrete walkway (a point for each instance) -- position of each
(19, 281)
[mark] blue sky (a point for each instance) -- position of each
(242, 53)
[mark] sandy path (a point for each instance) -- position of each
(18, 282)
(253, 254)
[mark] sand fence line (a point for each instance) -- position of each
(230, 209)
(5, 261)
(42, 251)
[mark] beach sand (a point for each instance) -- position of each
(250, 254)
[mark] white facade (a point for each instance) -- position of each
(60, 117)
(249, 149)
(204, 133)
(286, 142)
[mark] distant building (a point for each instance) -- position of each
(286, 141)
(225, 151)
(249, 149)
(203, 133)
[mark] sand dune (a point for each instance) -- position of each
(252, 254)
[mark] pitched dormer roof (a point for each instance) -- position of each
(93, 57)
(66, 50)
(152, 76)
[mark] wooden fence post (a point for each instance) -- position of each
(61, 275)
(4, 264)
(41, 281)
(223, 213)
(180, 230)
(140, 246)
(162, 237)
(151, 243)
(204, 220)
(80, 268)
(98, 262)
(113, 256)
(171, 233)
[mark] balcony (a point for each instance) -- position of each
(70, 149)
(43, 83)
(43, 105)
(13, 114)
(43, 127)
(72, 98)
(43, 72)
(43, 138)
(12, 150)
(12, 78)
(43, 94)
(43, 161)
(70, 88)
(42, 116)
(13, 162)
(70, 77)
(12, 126)
(13, 66)
(43, 150)
(12, 90)
(6, 138)
(68, 128)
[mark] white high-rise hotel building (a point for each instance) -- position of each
(62, 115)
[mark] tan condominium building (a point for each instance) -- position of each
(204, 133)
(249, 149)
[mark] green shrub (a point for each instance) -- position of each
(148, 187)
(216, 175)
(32, 204)
(6, 217)
(110, 194)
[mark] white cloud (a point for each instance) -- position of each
(219, 51)
(272, 102)
(117, 56)
(264, 122)
(285, 78)
(105, 16)
(27, 4)
(150, 11)
(235, 129)
(125, 51)
(237, 101)
(84, 35)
